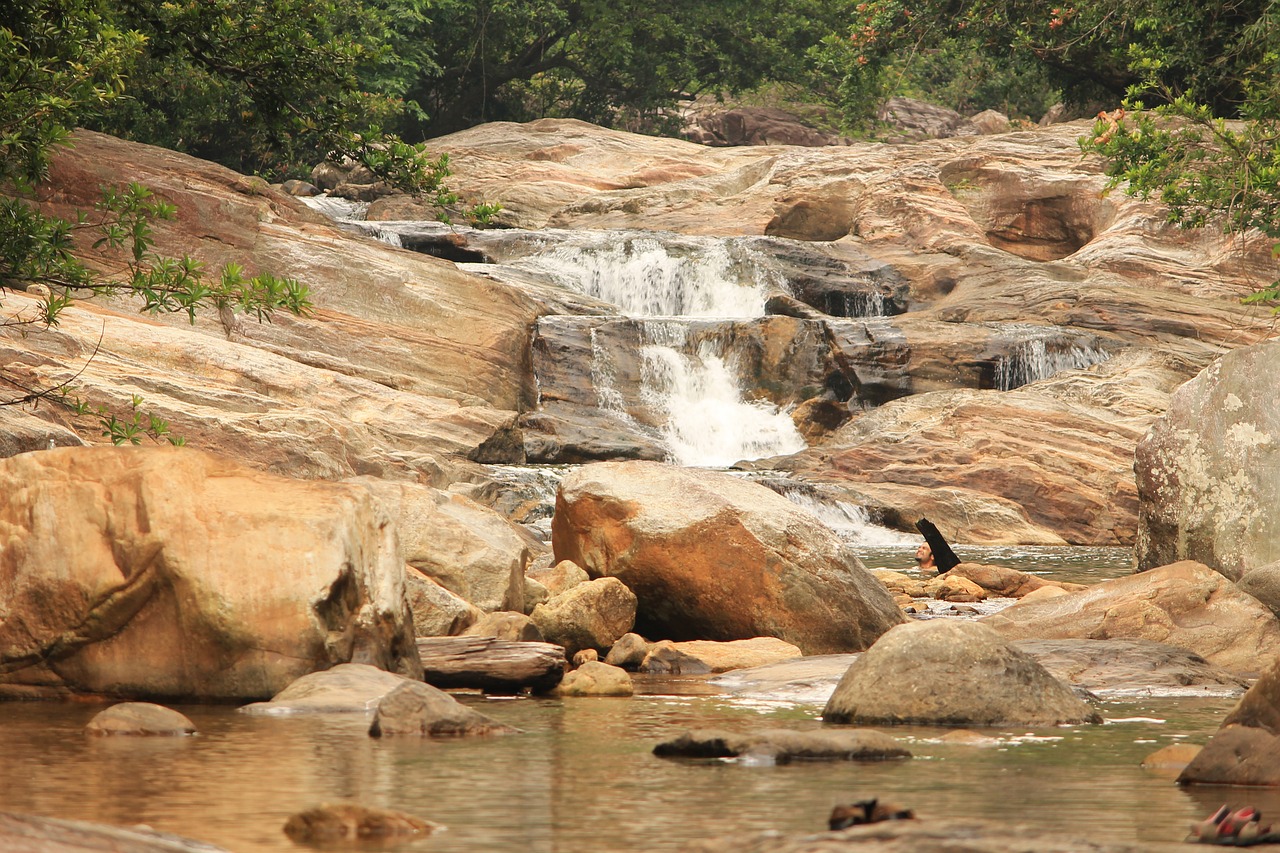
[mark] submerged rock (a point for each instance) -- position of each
(140, 718)
(333, 822)
(710, 556)
(169, 572)
(1133, 667)
(783, 745)
(21, 833)
(951, 673)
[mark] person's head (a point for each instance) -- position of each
(924, 556)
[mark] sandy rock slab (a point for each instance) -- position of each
(1184, 604)
(20, 833)
(172, 573)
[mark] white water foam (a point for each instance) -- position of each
(852, 523)
(646, 276)
(707, 421)
(1032, 361)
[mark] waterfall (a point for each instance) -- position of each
(707, 421)
(851, 522)
(1031, 360)
(668, 276)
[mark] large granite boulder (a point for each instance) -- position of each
(951, 673)
(1209, 470)
(1184, 604)
(1246, 749)
(470, 550)
(711, 556)
(591, 615)
(150, 573)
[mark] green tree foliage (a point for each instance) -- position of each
(605, 61)
(1098, 49)
(60, 60)
(1207, 169)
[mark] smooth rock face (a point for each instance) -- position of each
(710, 556)
(1207, 471)
(973, 678)
(22, 833)
(140, 718)
(1246, 750)
(164, 573)
(592, 615)
(346, 688)
(419, 709)
(1132, 668)
(1184, 604)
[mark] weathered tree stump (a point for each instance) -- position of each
(490, 664)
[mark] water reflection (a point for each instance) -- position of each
(581, 776)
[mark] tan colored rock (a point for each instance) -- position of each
(348, 688)
(585, 656)
(561, 577)
(405, 368)
(900, 583)
(436, 611)
(170, 572)
(666, 658)
(470, 550)
(1045, 592)
(595, 678)
(592, 615)
(738, 654)
(336, 822)
(419, 709)
(974, 678)
(1171, 760)
(957, 589)
(628, 652)
(1005, 582)
(1184, 604)
(710, 556)
(506, 625)
(140, 718)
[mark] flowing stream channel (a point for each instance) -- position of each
(580, 777)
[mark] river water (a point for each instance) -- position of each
(581, 776)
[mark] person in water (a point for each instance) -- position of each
(934, 553)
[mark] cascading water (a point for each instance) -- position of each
(672, 276)
(1032, 360)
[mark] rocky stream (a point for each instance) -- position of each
(652, 452)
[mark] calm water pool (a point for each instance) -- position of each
(581, 776)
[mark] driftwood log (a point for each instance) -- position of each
(490, 664)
